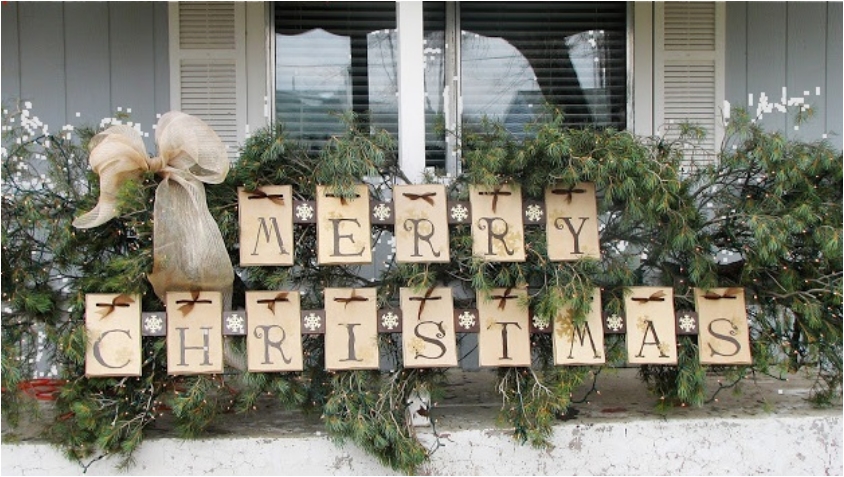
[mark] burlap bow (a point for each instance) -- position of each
(189, 253)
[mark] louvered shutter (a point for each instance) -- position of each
(689, 69)
(207, 64)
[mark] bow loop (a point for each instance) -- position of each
(502, 299)
(655, 296)
(729, 293)
(424, 299)
(188, 304)
(122, 301)
(270, 302)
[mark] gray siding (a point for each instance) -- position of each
(796, 45)
(89, 58)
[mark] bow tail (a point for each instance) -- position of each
(189, 252)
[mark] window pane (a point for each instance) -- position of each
(518, 56)
(333, 57)
(435, 65)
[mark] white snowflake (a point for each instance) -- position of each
(533, 212)
(459, 213)
(313, 321)
(235, 323)
(541, 322)
(687, 323)
(381, 212)
(153, 323)
(389, 320)
(614, 322)
(466, 319)
(304, 212)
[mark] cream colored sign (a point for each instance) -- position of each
(421, 224)
(194, 333)
(351, 328)
(343, 233)
(113, 327)
(497, 225)
(274, 332)
(572, 222)
(428, 335)
(266, 226)
(583, 344)
(504, 336)
(723, 337)
(651, 332)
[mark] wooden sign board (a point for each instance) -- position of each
(504, 335)
(194, 333)
(428, 336)
(274, 331)
(266, 226)
(421, 226)
(723, 336)
(343, 228)
(572, 223)
(651, 337)
(113, 327)
(579, 345)
(351, 329)
(497, 223)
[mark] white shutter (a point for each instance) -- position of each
(689, 69)
(208, 66)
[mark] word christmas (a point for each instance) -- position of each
(274, 323)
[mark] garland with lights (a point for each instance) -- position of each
(774, 204)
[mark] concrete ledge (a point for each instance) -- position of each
(767, 430)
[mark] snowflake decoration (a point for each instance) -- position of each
(304, 212)
(381, 212)
(687, 323)
(466, 319)
(533, 213)
(459, 213)
(614, 322)
(153, 323)
(235, 323)
(389, 320)
(541, 322)
(313, 321)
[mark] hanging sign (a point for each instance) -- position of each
(343, 233)
(428, 336)
(504, 335)
(266, 226)
(723, 337)
(351, 328)
(497, 223)
(572, 223)
(579, 344)
(194, 332)
(651, 337)
(274, 331)
(421, 226)
(113, 326)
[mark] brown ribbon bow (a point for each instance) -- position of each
(343, 200)
(495, 193)
(187, 305)
(259, 194)
(281, 297)
(426, 196)
(502, 303)
(122, 301)
(568, 192)
(350, 299)
(729, 293)
(655, 296)
(424, 299)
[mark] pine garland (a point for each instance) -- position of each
(776, 204)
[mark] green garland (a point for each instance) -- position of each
(775, 203)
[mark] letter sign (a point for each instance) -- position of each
(194, 333)
(343, 228)
(428, 336)
(113, 326)
(497, 224)
(351, 328)
(572, 223)
(421, 226)
(274, 331)
(579, 344)
(504, 336)
(266, 226)
(724, 337)
(651, 334)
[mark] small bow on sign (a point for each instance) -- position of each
(495, 193)
(656, 296)
(351, 299)
(187, 305)
(122, 301)
(281, 297)
(729, 293)
(427, 196)
(568, 193)
(277, 199)
(502, 303)
(424, 299)
(188, 249)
